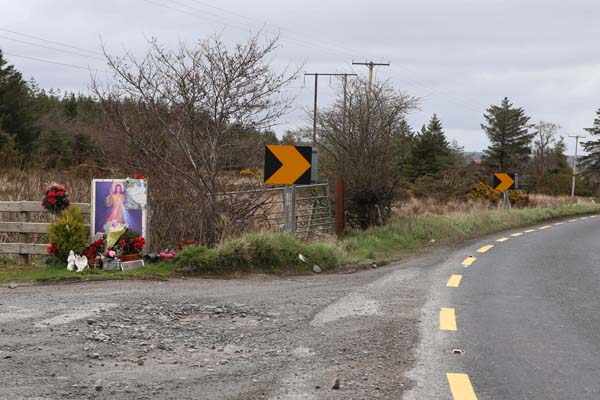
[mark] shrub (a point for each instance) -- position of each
(484, 192)
(258, 252)
(68, 233)
(518, 198)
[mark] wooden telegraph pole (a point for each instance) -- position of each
(371, 65)
(575, 164)
(316, 75)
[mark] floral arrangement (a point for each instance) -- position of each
(52, 249)
(56, 199)
(132, 245)
(167, 255)
(95, 249)
(187, 242)
(127, 243)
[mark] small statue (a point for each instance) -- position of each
(81, 262)
(71, 261)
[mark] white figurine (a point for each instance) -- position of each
(71, 261)
(81, 262)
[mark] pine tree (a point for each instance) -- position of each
(431, 151)
(16, 112)
(591, 162)
(508, 130)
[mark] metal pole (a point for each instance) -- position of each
(345, 111)
(314, 138)
(286, 209)
(293, 211)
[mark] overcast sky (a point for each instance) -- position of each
(459, 56)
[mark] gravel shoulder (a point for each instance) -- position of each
(261, 337)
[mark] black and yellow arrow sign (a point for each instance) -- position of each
(287, 165)
(503, 181)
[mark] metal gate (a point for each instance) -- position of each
(303, 211)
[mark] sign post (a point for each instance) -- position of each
(290, 166)
(504, 182)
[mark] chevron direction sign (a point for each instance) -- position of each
(504, 182)
(288, 165)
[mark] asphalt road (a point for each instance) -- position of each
(527, 316)
(523, 316)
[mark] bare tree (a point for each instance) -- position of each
(179, 112)
(357, 143)
(543, 154)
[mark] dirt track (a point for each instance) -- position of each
(255, 338)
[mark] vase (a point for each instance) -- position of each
(129, 257)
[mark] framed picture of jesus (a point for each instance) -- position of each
(121, 201)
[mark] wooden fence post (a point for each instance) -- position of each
(23, 217)
(340, 209)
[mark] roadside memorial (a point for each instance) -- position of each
(119, 201)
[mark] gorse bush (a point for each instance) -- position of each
(68, 233)
(266, 252)
(518, 198)
(484, 192)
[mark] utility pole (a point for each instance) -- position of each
(575, 164)
(371, 65)
(317, 75)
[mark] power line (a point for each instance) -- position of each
(463, 102)
(51, 41)
(316, 75)
(51, 48)
(55, 62)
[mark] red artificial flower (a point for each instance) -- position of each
(123, 243)
(44, 204)
(51, 200)
(52, 249)
(138, 176)
(51, 194)
(180, 245)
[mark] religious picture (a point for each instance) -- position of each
(119, 201)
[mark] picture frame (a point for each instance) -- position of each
(121, 200)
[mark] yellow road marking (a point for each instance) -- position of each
(558, 223)
(530, 230)
(485, 248)
(460, 386)
(447, 319)
(572, 220)
(454, 281)
(516, 234)
(504, 239)
(544, 227)
(469, 261)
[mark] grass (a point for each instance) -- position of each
(261, 252)
(278, 253)
(411, 235)
(58, 272)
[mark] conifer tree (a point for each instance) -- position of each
(508, 130)
(591, 161)
(431, 150)
(16, 114)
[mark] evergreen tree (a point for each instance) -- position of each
(16, 112)
(591, 162)
(431, 152)
(402, 144)
(508, 130)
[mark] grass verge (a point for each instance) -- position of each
(278, 253)
(58, 272)
(408, 236)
